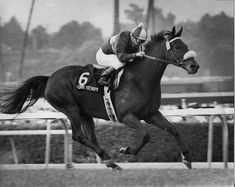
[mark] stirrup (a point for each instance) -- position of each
(104, 82)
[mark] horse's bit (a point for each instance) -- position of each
(177, 62)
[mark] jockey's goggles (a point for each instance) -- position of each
(140, 41)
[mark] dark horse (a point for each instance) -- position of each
(137, 97)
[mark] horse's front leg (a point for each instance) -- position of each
(133, 122)
(160, 121)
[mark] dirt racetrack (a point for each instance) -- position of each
(109, 178)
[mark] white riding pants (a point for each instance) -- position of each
(108, 60)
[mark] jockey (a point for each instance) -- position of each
(119, 49)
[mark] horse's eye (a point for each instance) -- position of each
(176, 46)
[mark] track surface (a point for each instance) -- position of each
(109, 178)
(134, 174)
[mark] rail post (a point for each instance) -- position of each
(48, 142)
(68, 146)
(210, 141)
(14, 152)
(225, 140)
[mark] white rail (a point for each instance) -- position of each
(211, 113)
(197, 95)
(32, 132)
(45, 116)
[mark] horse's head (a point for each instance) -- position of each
(176, 51)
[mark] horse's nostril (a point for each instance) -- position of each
(194, 67)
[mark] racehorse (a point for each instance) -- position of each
(137, 97)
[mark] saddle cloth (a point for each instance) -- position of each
(88, 80)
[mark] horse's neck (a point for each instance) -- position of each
(150, 72)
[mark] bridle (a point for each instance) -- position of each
(177, 61)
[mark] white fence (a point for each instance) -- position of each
(211, 113)
(198, 97)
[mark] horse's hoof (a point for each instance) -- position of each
(185, 159)
(187, 164)
(69, 166)
(125, 150)
(117, 169)
(110, 164)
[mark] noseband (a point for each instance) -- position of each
(176, 61)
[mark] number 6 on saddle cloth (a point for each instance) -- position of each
(88, 81)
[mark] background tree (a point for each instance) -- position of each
(135, 14)
(72, 35)
(150, 26)
(213, 39)
(12, 34)
(40, 38)
(68, 36)
(89, 32)
(1, 58)
(116, 23)
(163, 22)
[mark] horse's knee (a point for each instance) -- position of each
(173, 131)
(74, 138)
(146, 137)
(103, 155)
(80, 139)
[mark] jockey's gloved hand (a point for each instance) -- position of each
(140, 54)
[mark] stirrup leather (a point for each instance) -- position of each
(104, 80)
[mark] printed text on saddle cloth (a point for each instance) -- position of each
(84, 80)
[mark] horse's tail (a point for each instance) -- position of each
(12, 100)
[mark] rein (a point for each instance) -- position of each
(177, 62)
(159, 59)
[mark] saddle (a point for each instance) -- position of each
(91, 73)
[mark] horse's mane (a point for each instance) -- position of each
(156, 38)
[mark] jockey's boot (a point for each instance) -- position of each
(105, 75)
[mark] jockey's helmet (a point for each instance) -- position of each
(139, 32)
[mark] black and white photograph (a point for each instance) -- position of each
(117, 93)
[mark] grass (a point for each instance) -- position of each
(108, 178)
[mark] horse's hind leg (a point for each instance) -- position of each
(160, 121)
(83, 132)
(88, 129)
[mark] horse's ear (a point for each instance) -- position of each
(178, 34)
(173, 31)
